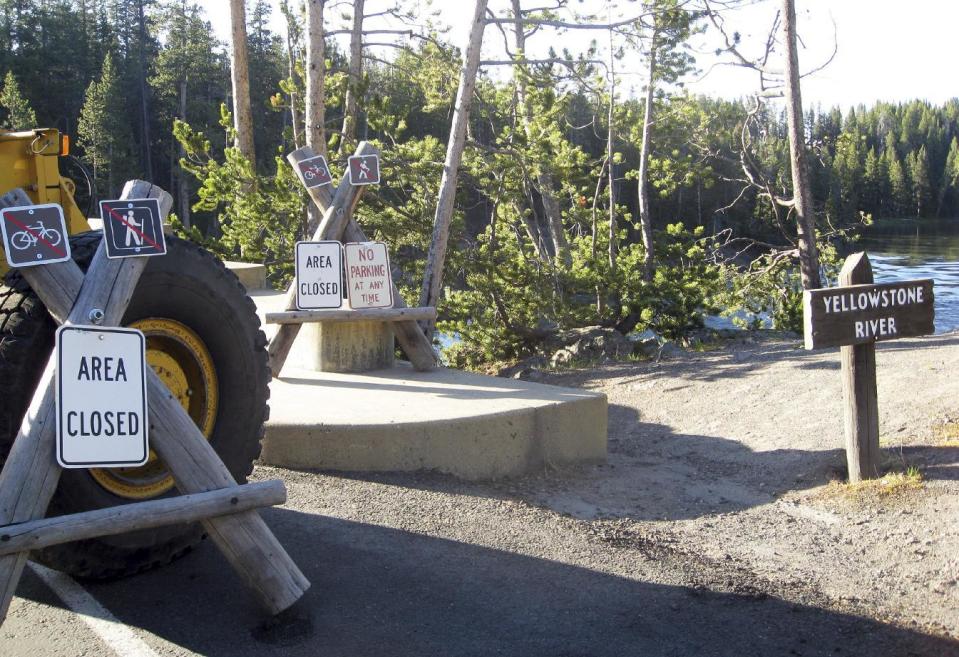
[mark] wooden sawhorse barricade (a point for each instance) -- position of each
(338, 224)
(30, 474)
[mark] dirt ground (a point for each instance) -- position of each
(716, 529)
(723, 479)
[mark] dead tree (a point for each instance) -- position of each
(779, 83)
(242, 114)
(315, 77)
(802, 191)
(433, 276)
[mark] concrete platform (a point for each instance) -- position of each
(468, 425)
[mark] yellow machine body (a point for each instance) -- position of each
(30, 160)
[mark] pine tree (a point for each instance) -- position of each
(103, 131)
(921, 183)
(18, 115)
(899, 189)
(875, 182)
(949, 187)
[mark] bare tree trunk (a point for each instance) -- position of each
(242, 115)
(291, 65)
(433, 276)
(645, 220)
(315, 75)
(544, 180)
(802, 192)
(354, 81)
(183, 188)
(144, 99)
(610, 138)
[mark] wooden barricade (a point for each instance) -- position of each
(339, 224)
(30, 474)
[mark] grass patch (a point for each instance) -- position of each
(892, 484)
(948, 434)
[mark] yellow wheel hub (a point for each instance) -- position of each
(184, 364)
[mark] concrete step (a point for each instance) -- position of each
(468, 425)
(251, 275)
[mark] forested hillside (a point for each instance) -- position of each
(143, 87)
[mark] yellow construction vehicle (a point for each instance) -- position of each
(203, 339)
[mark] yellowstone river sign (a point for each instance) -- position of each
(854, 316)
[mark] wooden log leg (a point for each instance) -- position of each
(860, 411)
(245, 540)
(29, 478)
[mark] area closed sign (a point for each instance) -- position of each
(319, 275)
(101, 397)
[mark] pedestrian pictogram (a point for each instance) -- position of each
(34, 235)
(132, 228)
(314, 172)
(364, 169)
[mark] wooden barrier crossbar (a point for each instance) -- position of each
(339, 224)
(39, 534)
(30, 474)
(427, 313)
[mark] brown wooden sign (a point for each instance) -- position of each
(862, 314)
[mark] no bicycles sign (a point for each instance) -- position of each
(34, 235)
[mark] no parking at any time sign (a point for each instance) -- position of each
(101, 397)
(368, 280)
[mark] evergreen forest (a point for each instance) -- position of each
(546, 234)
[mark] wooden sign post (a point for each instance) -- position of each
(339, 224)
(30, 473)
(854, 317)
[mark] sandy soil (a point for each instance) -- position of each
(735, 456)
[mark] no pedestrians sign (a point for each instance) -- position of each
(101, 395)
(132, 228)
(364, 169)
(34, 235)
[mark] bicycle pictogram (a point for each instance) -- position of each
(315, 172)
(31, 235)
(34, 235)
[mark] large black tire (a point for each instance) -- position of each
(187, 285)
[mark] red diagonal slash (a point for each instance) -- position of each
(37, 236)
(133, 228)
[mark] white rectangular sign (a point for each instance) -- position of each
(319, 275)
(368, 280)
(101, 397)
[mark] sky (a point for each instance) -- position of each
(885, 49)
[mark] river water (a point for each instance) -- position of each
(903, 249)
